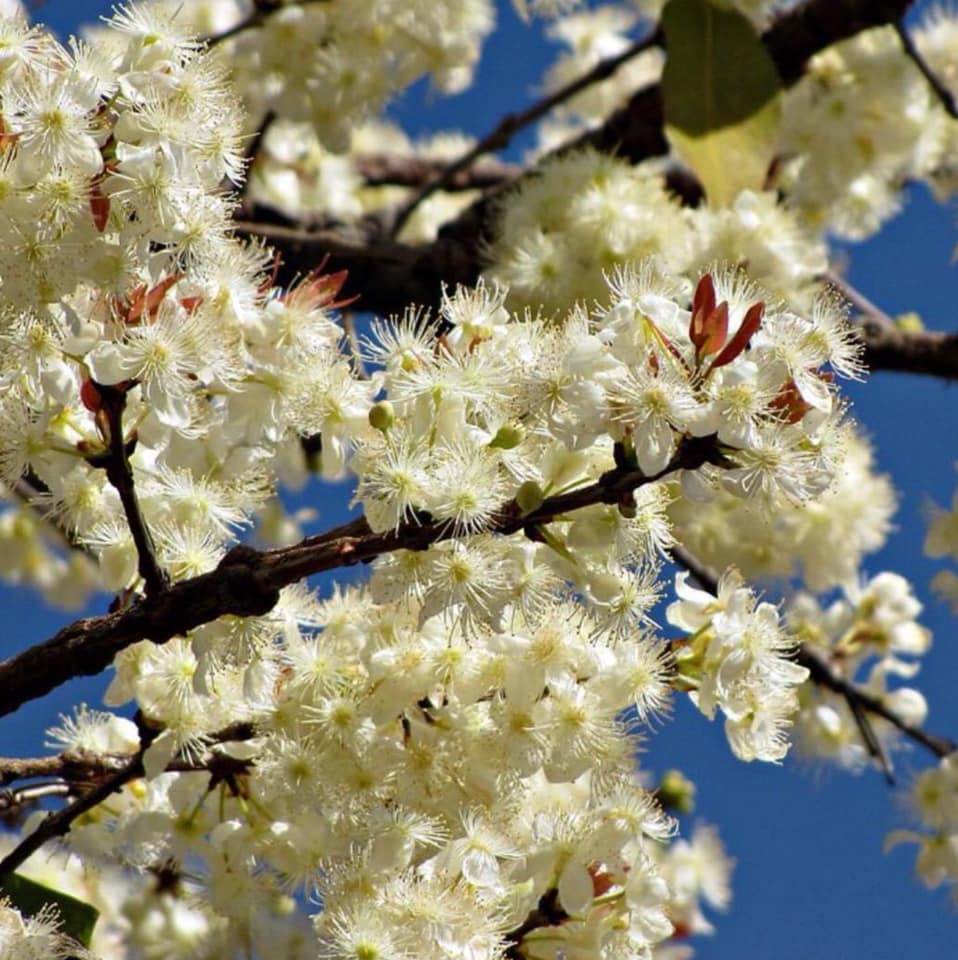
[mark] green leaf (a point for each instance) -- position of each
(77, 918)
(722, 97)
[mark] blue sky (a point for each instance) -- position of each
(811, 879)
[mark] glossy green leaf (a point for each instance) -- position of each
(77, 918)
(722, 96)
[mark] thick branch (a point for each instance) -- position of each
(926, 351)
(247, 581)
(889, 347)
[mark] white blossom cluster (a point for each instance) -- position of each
(333, 63)
(822, 541)
(115, 155)
(934, 801)
(590, 37)
(34, 938)
(295, 174)
(586, 213)
(860, 123)
(870, 637)
(941, 540)
(737, 659)
(458, 732)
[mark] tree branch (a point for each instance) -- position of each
(548, 912)
(512, 123)
(247, 581)
(923, 351)
(400, 170)
(58, 823)
(889, 347)
(120, 474)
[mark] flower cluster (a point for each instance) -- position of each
(941, 540)
(934, 799)
(165, 326)
(591, 36)
(737, 659)
(585, 213)
(295, 174)
(858, 124)
(869, 637)
(333, 64)
(34, 938)
(822, 541)
(444, 757)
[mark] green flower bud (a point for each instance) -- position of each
(382, 415)
(507, 437)
(529, 497)
(676, 792)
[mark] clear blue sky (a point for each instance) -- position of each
(811, 879)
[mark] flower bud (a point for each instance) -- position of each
(382, 415)
(508, 436)
(529, 497)
(676, 792)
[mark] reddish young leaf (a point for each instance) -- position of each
(155, 297)
(703, 303)
(751, 323)
(716, 331)
(90, 396)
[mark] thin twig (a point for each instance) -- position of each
(939, 87)
(822, 674)
(548, 912)
(58, 823)
(11, 800)
(512, 123)
(874, 746)
(399, 170)
(120, 474)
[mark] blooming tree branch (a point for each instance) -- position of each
(247, 581)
